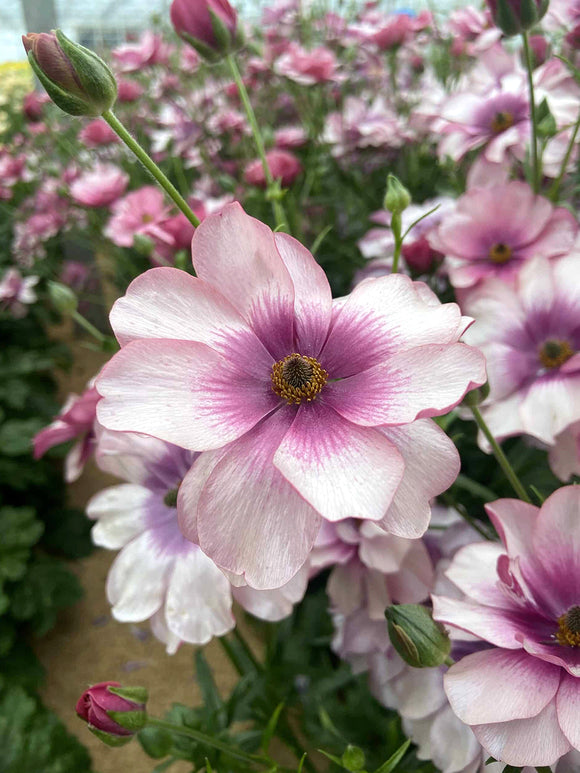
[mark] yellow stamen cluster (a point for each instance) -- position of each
(554, 353)
(501, 122)
(568, 634)
(297, 378)
(500, 253)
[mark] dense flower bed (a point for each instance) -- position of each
(348, 270)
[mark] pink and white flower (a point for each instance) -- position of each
(297, 401)
(139, 212)
(97, 133)
(283, 166)
(530, 336)
(564, 455)
(307, 67)
(495, 230)
(76, 421)
(521, 696)
(17, 292)
(159, 575)
(100, 186)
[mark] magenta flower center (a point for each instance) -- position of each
(297, 378)
(501, 121)
(569, 628)
(554, 353)
(500, 253)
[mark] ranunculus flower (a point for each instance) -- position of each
(565, 453)
(515, 16)
(33, 105)
(495, 230)
(76, 421)
(283, 165)
(530, 336)
(128, 91)
(158, 574)
(196, 20)
(140, 212)
(112, 712)
(100, 186)
(307, 67)
(17, 292)
(97, 133)
(296, 401)
(148, 50)
(521, 696)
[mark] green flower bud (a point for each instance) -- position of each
(476, 396)
(419, 640)
(515, 16)
(143, 244)
(353, 759)
(75, 78)
(397, 197)
(62, 297)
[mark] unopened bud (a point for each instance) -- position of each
(353, 759)
(397, 197)
(113, 713)
(75, 78)
(476, 396)
(62, 297)
(143, 244)
(209, 26)
(515, 16)
(419, 640)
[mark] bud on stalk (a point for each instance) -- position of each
(75, 78)
(209, 26)
(515, 16)
(113, 713)
(419, 640)
(397, 197)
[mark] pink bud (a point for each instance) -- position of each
(420, 256)
(52, 60)
(197, 21)
(114, 715)
(283, 165)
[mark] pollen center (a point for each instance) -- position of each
(554, 353)
(297, 378)
(500, 253)
(170, 498)
(568, 634)
(501, 121)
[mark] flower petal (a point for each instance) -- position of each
(502, 627)
(120, 512)
(182, 392)
(474, 571)
(344, 471)
(237, 254)
(276, 604)
(498, 686)
(251, 521)
(421, 382)
(568, 708)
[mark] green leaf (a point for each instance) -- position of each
(331, 757)
(393, 761)
(271, 727)
(19, 530)
(212, 700)
(156, 741)
(16, 435)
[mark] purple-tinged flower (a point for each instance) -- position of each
(17, 292)
(100, 186)
(158, 574)
(521, 696)
(564, 455)
(307, 67)
(150, 49)
(113, 713)
(494, 231)
(139, 212)
(76, 421)
(530, 336)
(296, 400)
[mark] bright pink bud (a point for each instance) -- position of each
(112, 712)
(539, 46)
(573, 38)
(420, 256)
(283, 165)
(210, 26)
(33, 105)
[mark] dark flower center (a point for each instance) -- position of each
(500, 253)
(297, 378)
(555, 352)
(501, 121)
(147, 218)
(170, 499)
(568, 634)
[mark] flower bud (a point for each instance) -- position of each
(76, 79)
(419, 640)
(113, 713)
(210, 26)
(353, 759)
(397, 197)
(62, 297)
(515, 16)
(476, 396)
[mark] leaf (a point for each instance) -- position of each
(271, 727)
(331, 757)
(19, 530)
(393, 761)
(212, 700)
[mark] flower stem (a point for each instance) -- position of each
(396, 228)
(500, 456)
(555, 189)
(533, 115)
(279, 214)
(150, 165)
(88, 326)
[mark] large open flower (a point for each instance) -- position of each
(305, 408)
(521, 697)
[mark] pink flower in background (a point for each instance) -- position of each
(139, 212)
(290, 137)
(530, 336)
(33, 105)
(285, 392)
(97, 133)
(283, 165)
(150, 49)
(128, 91)
(17, 292)
(395, 31)
(158, 574)
(307, 67)
(565, 453)
(76, 421)
(100, 186)
(521, 696)
(75, 275)
(12, 168)
(496, 230)
(194, 21)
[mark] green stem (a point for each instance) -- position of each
(396, 229)
(533, 117)
(247, 649)
(475, 488)
(555, 189)
(279, 214)
(90, 328)
(231, 655)
(150, 165)
(209, 740)
(500, 456)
